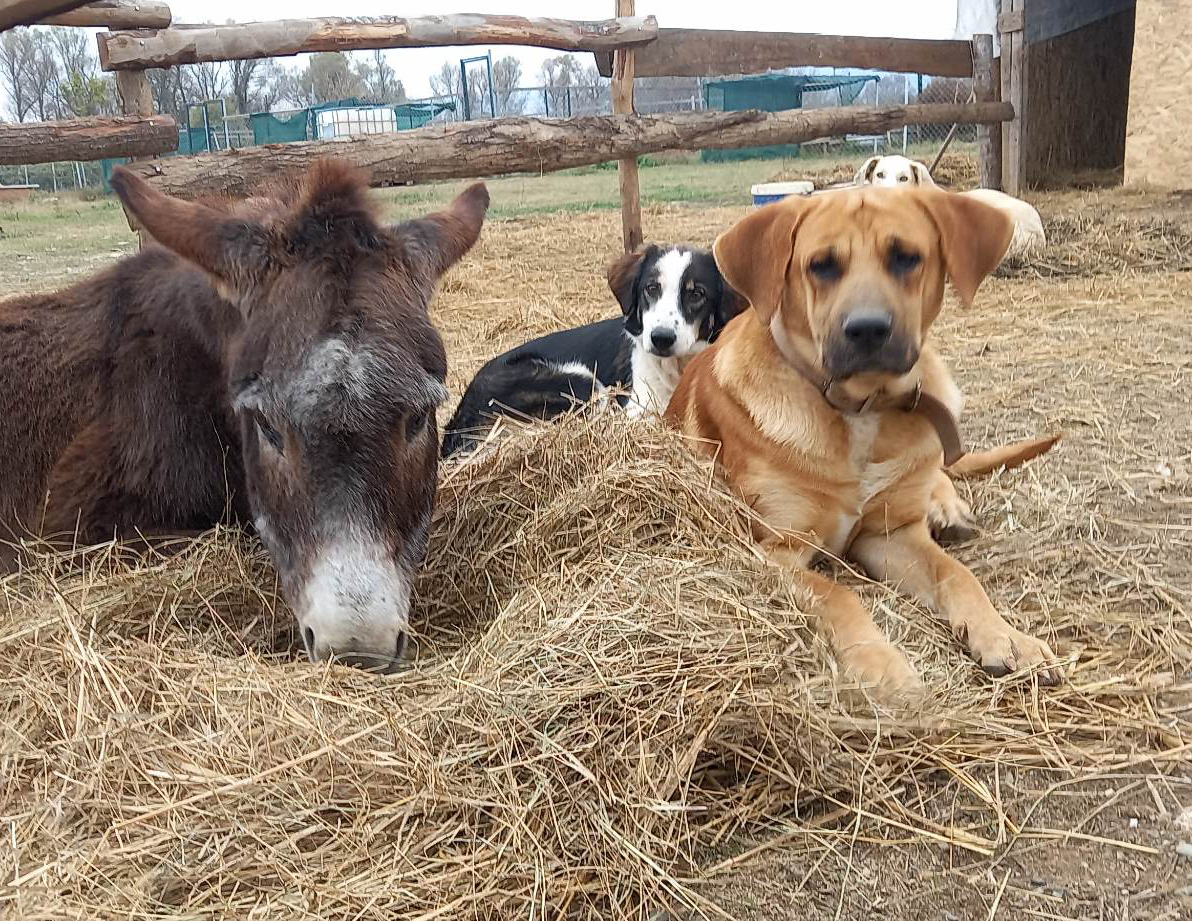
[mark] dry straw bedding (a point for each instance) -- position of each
(611, 689)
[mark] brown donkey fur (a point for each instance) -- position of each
(271, 362)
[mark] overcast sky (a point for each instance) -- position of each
(907, 19)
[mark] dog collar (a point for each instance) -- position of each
(916, 401)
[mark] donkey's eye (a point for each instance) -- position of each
(416, 423)
(903, 261)
(653, 289)
(269, 433)
(826, 268)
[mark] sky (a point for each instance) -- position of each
(414, 66)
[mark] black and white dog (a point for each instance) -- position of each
(675, 302)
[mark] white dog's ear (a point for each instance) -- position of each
(921, 174)
(865, 173)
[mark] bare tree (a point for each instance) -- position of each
(447, 81)
(208, 80)
(41, 76)
(241, 83)
(558, 75)
(591, 90)
(17, 50)
(269, 87)
(381, 80)
(507, 74)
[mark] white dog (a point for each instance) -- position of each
(893, 170)
(897, 171)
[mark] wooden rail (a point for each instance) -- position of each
(116, 14)
(87, 139)
(534, 145)
(714, 53)
(31, 12)
(170, 47)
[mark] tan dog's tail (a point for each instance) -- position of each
(1008, 456)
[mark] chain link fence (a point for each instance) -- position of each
(210, 129)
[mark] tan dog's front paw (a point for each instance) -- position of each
(950, 517)
(882, 666)
(1001, 650)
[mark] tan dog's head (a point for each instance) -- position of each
(857, 275)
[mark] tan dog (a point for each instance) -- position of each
(826, 407)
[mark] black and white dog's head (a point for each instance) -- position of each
(674, 298)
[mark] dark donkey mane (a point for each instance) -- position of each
(271, 362)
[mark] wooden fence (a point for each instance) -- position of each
(626, 46)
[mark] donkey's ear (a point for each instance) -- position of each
(237, 252)
(443, 238)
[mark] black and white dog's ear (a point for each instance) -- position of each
(865, 173)
(730, 304)
(623, 275)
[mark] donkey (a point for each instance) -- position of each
(270, 362)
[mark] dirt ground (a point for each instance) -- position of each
(1091, 546)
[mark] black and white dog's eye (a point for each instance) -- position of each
(698, 293)
(269, 433)
(653, 289)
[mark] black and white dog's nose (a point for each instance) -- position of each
(662, 340)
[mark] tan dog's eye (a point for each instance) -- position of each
(881, 175)
(903, 261)
(904, 178)
(826, 268)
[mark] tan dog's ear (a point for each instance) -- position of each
(865, 173)
(755, 253)
(974, 237)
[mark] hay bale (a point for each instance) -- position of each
(608, 684)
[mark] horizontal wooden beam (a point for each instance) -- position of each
(87, 139)
(536, 145)
(715, 53)
(138, 50)
(116, 14)
(31, 12)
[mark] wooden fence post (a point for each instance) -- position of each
(989, 137)
(1011, 25)
(136, 98)
(622, 92)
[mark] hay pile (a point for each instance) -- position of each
(609, 686)
(1095, 241)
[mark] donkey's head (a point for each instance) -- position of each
(335, 376)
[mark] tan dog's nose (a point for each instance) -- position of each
(867, 330)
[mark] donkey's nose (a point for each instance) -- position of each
(351, 651)
(868, 330)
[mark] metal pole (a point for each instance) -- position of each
(54, 176)
(463, 85)
(492, 96)
(906, 99)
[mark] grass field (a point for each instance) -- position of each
(168, 754)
